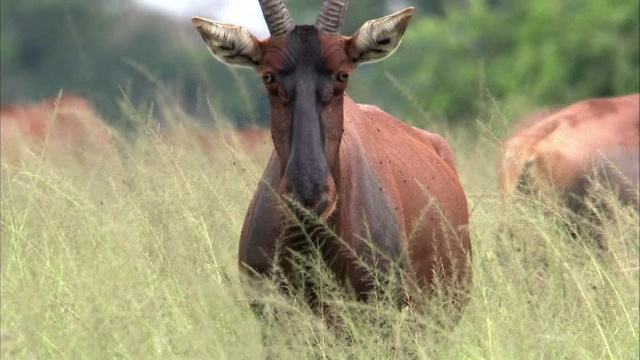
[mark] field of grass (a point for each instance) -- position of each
(140, 261)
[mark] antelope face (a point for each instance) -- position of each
(305, 70)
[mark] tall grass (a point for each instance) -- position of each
(140, 261)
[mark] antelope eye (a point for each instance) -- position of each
(268, 78)
(342, 76)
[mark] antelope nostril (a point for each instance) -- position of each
(322, 206)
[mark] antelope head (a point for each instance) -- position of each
(305, 70)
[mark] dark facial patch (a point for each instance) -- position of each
(303, 83)
(304, 48)
(303, 63)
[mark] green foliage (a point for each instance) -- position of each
(101, 50)
(524, 54)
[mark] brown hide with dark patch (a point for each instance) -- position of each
(596, 137)
(397, 187)
(366, 188)
(416, 173)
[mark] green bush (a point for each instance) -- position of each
(524, 54)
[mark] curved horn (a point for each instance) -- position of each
(277, 17)
(331, 16)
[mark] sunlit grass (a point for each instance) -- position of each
(140, 261)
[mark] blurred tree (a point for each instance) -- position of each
(523, 54)
(455, 55)
(99, 49)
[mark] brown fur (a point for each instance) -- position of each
(65, 126)
(390, 192)
(560, 151)
(416, 175)
(253, 142)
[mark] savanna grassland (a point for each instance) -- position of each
(138, 259)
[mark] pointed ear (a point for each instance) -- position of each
(379, 38)
(231, 44)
